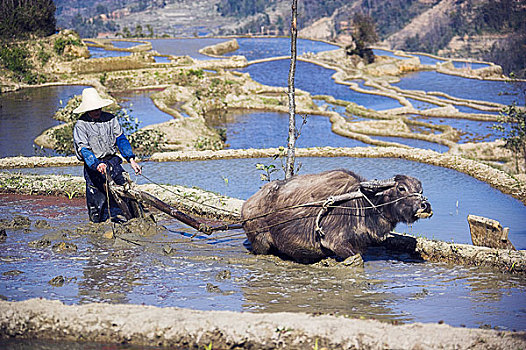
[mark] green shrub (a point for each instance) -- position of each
(61, 43)
(146, 142)
(63, 139)
(205, 143)
(15, 57)
(196, 72)
(43, 56)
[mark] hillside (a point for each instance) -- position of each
(492, 30)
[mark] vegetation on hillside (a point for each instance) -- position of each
(391, 16)
(90, 18)
(32, 61)
(91, 27)
(503, 17)
(22, 19)
(241, 8)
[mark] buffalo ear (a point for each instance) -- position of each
(373, 187)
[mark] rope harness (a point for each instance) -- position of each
(325, 206)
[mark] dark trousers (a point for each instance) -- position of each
(96, 197)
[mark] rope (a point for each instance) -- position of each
(108, 202)
(325, 205)
(137, 241)
(186, 198)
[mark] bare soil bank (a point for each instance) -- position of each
(498, 179)
(182, 328)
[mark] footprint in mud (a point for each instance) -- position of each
(13, 273)
(57, 281)
(64, 247)
(223, 275)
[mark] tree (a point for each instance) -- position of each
(364, 33)
(512, 123)
(149, 28)
(138, 31)
(22, 18)
(291, 145)
(364, 29)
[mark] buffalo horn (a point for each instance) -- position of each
(375, 186)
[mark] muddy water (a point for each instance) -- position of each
(166, 269)
(195, 274)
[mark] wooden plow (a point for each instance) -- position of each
(137, 197)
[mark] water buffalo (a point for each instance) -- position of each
(335, 213)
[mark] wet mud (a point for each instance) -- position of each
(51, 251)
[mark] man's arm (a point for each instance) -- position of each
(126, 150)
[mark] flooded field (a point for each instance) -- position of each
(169, 269)
(54, 253)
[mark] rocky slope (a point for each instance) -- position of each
(456, 28)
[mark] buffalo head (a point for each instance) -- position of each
(399, 199)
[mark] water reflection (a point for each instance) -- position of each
(269, 129)
(98, 52)
(123, 44)
(259, 48)
(424, 59)
(472, 89)
(472, 130)
(315, 80)
(25, 114)
(140, 105)
(184, 47)
(380, 52)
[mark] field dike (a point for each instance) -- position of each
(191, 329)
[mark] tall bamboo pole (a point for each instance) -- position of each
(291, 145)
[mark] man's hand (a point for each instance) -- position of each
(136, 167)
(102, 168)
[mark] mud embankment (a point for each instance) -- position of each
(182, 328)
(494, 177)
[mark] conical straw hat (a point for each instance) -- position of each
(91, 101)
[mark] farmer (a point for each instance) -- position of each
(97, 136)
